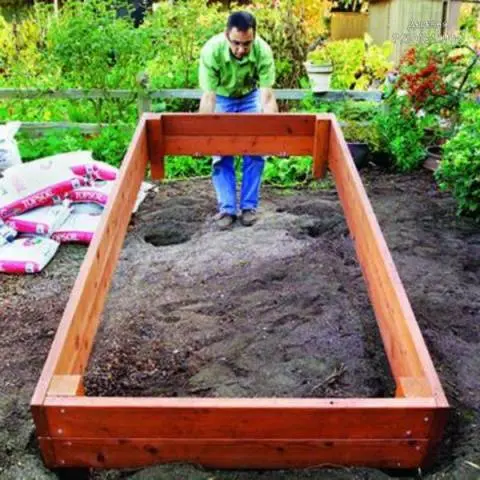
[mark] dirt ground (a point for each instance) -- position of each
(278, 309)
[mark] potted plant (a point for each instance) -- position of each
(436, 132)
(319, 66)
(363, 140)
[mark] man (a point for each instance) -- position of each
(236, 74)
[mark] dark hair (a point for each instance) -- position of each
(242, 21)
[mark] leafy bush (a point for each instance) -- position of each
(110, 145)
(401, 136)
(364, 133)
(21, 45)
(459, 168)
(361, 110)
(92, 48)
(287, 171)
(436, 76)
(320, 56)
(284, 30)
(184, 166)
(177, 34)
(357, 64)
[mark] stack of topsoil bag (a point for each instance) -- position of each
(51, 201)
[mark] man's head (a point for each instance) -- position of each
(240, 33)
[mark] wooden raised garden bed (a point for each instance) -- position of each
(400, 432)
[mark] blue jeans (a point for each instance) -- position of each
(223, 174)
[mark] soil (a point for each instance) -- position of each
(277, 309)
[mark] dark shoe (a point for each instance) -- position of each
(224, 221)
(248, 218)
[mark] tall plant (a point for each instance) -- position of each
(93, 48)
(177, 34)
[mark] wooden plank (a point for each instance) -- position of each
(438, 422)
(320, 147)
(74, 337)
(236, 145)
(156, 146)
(413, 387)
(406, 350)
(71, 93)
(39, 416)
(372, 253)
(282, 94)
(39, 128)
(32, 128)
(86, 417)
(48, 452)
(66, 385)
(193, 94)
(107, 243)
(244, 453)
(239, 125)
(341, 95)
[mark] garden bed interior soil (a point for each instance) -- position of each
(276, 310)
(279, 309)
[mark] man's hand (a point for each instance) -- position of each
(267, 101)
(207, 102)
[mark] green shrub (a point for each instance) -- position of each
(368, 133)
(401, 136)
(357, 64)
(51, 143)
(92, 48)
(284, 30)
(184, 166)
(436, 76)
(110, 145)
(287, 171)
(459, 169)
(177, 33)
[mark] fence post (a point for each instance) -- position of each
(144, 102)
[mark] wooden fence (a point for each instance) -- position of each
(144, 100)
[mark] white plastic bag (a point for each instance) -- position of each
(79, 228)
(25, 189)
(41, 221)
(9, 154)
(7, 233)
(27, 255)
(99, 191)
(80, 162)
(88, 208)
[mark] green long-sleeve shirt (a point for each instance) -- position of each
(221, 72)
